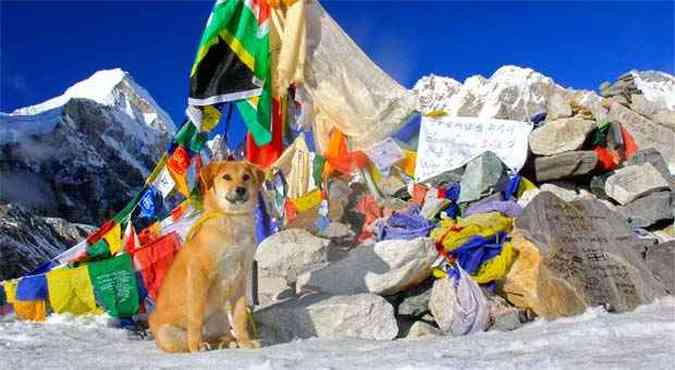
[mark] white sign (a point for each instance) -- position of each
(447, 143)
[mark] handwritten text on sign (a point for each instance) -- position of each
(447, 143)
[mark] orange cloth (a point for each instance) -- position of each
(419, 193)
(31, 310)
(339, 158)
(267, 154)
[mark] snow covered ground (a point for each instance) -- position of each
(643, 339)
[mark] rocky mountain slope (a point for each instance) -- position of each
(74, 159)
(84, 153)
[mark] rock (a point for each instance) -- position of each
(597, 184)
(653, 157)
(441, 303)
(385, 268)
(561, 135)
(365, 316)
(557, 107)
(575, 255)
(272, 289)
(660, 259)
(338, 197)
(27, 240)
(504, 316)
(648, 210)
(423, 329)
(289, 253)
(629, 183)
(647, 134)
(480, 177)
(341, 240)
(560, 166)
(416, 300)
(562, 193)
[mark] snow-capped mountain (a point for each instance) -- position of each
(510, 93)
(83, 154)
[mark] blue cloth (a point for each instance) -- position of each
(32, 288)
(452, 194)
(538, 118)
(3, 296)
(149, 203)
(511, 187)
(477, 250)
(263, 225)
(506, 207)
(404, 225)
(44, 268)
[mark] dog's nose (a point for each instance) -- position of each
(241, 191)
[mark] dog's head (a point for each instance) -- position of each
(232, 186)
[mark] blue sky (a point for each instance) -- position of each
(48, 46)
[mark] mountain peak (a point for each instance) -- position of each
(97, 87)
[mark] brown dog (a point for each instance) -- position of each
(202, 300)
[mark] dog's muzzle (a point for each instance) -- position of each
(238, 196)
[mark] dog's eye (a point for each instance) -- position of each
(246, 177)
(227, 177)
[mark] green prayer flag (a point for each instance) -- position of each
(115, 286)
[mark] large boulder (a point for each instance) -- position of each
(561, 135)
(385, 268)
(647, 133)
(632, 182)
(480, 177)
(282, 257)
(289, 253)
(648, 210)
(575, 255)
(366, 316)
(565, 165)
(660, 259)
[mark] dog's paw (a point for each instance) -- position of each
(205, 347)
(249, 344)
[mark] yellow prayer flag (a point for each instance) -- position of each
(70, 290)
(307, 201)
(10, 290)
(114, 239)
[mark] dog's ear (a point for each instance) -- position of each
(209, 172)
(258, 172)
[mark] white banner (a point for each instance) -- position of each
(447, 143)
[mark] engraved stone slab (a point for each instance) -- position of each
(565, 165)
(576, 255)
(634, 181)
(561, 135)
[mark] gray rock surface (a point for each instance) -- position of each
(577, 254)
(441, 305)
(26, 240)
(652, 156)
(561, 135)
(647, 133)
(557, 107)
(385, 268)
(416, 300)
(660, 259)
(565, 165)
(480, 177)
(289, 253)
(648, 210)
(366, 316)
(423, 329)
(632, 182)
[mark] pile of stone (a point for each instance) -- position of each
(589, 234)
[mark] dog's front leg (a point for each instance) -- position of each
(197, 289)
